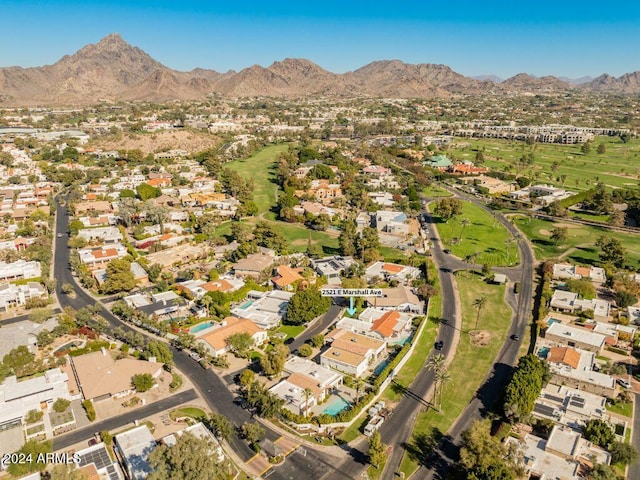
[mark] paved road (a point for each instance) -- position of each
(21, 318)
(77, 436)
(209, 385)
(318, 327)
(634, 470)
(491, 390)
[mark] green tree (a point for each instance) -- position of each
(602, 472)
(599, 432)
(247, 377)
(160, 350)
(586, 147)
(305, 350)
(253, 432)
(483, 456)
(31, 450)
(221, 427)
(559, 235)
(377, 450)
(602, 149)
(19, 361)
(306, 305)
(89, 409)
(611, 250)
(317, 340)
(524, 387)
(321, 172)
(267, 236)
(582, 287)
(66, 472)
(119, 277)
(347, 238)
(142, 382)
(623, 453)
(61, 404)
(624, 299)
(367, 245)
(273, 362)
(146, 192)
(240, 343)
(189, 459)
(447, 208)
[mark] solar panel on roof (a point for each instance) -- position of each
(555, 398)
(577, 402)
(544, 409)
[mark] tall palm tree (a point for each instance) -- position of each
(206, 302)
(307, 394)
(436, 365)
(464, 222)
(358, 384)
(444, 377)
(479, 303)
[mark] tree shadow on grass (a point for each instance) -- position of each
(421, 445)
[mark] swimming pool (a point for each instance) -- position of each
(551, 321)
(246, 304)
(67, 346)
(380, 367)
(200, 327)
(335, 406)
(543, 352)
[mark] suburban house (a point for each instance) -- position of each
(391, 271)
(390, 326)
(38, 393)
(253, 265)
(399, 298)
(265, 309)
(575, 337)
(197, 289)
(20, 269)
(574, 368)
(23, 333)
(100, 376)
(101, 234)
(95, 462)
(350, 352)
(325, 379)
(332, 267)
(438, 162)
(564, 455)
(569, 407)
(12, 295)
(568, 302)
(216, 339)
(564, 271)
(286, 277)
(134, 447)
(391, 222)
(99, 257)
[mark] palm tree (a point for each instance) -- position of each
(358, 384)
(307, 394)
(479, 303)
(464, 222)
(436, 365)
(443, 377)
(206, 302)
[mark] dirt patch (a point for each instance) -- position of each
(189, 140)
(544, 232)
(480, 338)
(302, 241)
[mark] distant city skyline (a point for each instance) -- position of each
(565, 39)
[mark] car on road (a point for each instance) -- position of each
(624, 383)
(447, 251)
(515, 337)
(439, 345)
(59, 235)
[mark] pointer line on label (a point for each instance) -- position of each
(351, 310)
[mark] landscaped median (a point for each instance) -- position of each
(472, 362)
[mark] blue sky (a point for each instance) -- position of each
(563, 38)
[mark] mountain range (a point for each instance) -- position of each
(112, 70)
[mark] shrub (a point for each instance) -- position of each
(61, 404)
(33, 416)
(91, 411)
(305, 351)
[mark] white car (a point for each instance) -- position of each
(624, 383)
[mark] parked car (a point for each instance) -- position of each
(447, 251)
(515, 337)
(624, 383)
(439, 345)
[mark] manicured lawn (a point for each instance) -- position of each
(193, 412)
(292, 331)
(355, 429)
(433, 191)
(484, 236)
(392, 254)
(582, 238)
(374, 473)
(260, 168)
(495, 319)
(625, 409)
(618, 167)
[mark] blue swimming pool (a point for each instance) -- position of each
(200, 327)
(246, 304)
(543, 352)
(335, 406)
(380, 367)
(551, 321)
